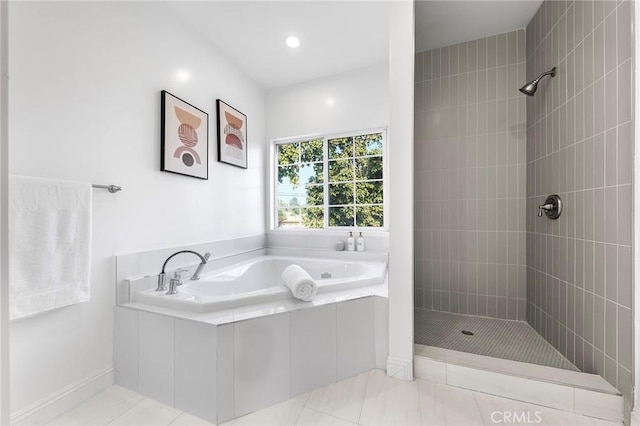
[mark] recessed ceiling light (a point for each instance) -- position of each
(330, 101)
(293, 42)
(183, 75)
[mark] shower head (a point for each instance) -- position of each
(530, 88)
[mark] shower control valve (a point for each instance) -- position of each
(552, 207)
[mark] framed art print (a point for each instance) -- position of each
(232, 135)
(184, 138)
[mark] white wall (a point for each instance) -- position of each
(401, 69)
(85, 105)
(360, 101)
(4, 282)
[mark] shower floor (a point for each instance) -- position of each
(497, 338)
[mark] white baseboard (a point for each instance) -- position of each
(400, 368)
(52, 406)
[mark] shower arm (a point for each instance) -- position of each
(551, 72)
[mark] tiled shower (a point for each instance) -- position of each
(470, 168)
(486, 156)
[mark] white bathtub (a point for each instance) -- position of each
(259, 280)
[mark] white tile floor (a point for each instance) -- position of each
(367, 399)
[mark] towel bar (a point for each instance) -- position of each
(111, 188)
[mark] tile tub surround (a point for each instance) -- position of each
(580, 146)
(219, 372)
(470, 170)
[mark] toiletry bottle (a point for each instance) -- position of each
(351, 243)
(360, 242)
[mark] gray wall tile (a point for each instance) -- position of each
(474, 152)
(591, 45)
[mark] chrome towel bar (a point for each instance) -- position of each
(111, 188)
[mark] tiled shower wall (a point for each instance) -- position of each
(580, 139)
(470, 171)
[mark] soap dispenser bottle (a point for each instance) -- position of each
(351, 243)
(360, 242)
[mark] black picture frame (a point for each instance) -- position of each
(232, 135)
(181, 131)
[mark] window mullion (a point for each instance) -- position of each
(353, 182)
(274, 185)
(325, 172)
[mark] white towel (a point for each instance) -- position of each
(300, 283)
(49, 244)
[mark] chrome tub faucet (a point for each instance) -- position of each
(162, 277)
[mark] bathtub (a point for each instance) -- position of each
(258, 281)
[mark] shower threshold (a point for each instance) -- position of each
(498, 357)
(567, 390)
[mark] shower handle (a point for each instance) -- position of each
(546, 207)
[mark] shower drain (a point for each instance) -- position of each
(467, 333)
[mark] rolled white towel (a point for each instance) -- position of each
(300, 283)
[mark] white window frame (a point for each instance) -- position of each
(273, 183)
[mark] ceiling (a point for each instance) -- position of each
(443, 23)
(335, 36)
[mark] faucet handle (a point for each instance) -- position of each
(180, 274)
(207, 255)
(173, 283)
(545, 207)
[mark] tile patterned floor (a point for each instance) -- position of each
(514, 340)
(369, 399)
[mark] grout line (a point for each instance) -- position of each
(173, 367)
(291, 357)
(364, 396)
(337, 344)
(128, 411)
(176, 418)
(584, 290)
(326, 414)
(299, 414)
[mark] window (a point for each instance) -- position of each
(330, 181)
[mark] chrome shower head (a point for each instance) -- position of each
(530, 88)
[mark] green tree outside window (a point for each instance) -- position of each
(355, 182)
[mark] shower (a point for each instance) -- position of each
(530, 88)
(495, 276)
(472, 267)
